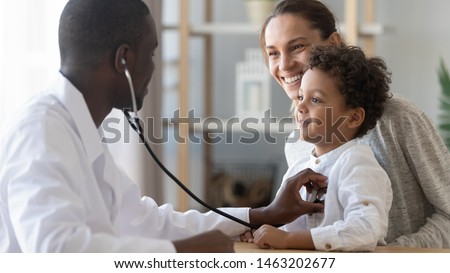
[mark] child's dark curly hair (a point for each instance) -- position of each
(364, 82)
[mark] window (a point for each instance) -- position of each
(29, 53)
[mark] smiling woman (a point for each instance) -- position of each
(28, 49)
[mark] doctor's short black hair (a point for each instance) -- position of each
(363, 81)
(89, 29)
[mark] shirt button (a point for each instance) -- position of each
(317, 161)
(328, 246)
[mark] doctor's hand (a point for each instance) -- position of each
(210, 241)
(288, 204)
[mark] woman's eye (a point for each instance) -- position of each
(298, 47)
(300, 98)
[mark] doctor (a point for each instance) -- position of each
(60, 190)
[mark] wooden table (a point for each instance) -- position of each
(241, 247)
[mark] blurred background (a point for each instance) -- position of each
(203, 42)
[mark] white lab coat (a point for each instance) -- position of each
(61, 191)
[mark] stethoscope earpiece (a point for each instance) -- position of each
(130, 83)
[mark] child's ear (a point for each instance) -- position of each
(356, 118)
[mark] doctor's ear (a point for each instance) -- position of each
(123, 57)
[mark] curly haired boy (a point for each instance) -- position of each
(341, 97)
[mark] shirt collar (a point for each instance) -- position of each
(72, 99)
(333, 155)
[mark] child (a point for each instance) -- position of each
(340, 99)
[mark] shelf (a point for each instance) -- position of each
(280, 126)
(373, 29)
(229, 28)
(220, 28)
(369, 29)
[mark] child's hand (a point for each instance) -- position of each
(247, 236)
(270, 237)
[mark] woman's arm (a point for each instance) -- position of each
(409, 148)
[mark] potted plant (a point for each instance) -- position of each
(444, 117)
(258, 10)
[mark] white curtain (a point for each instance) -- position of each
(29, 52)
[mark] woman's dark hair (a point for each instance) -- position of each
(90, 28)
(315, 12)
(364, 82)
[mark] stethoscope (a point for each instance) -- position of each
(134, 123)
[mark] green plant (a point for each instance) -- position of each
(444, 117)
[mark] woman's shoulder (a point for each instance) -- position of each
(399, 105)
(402, 115)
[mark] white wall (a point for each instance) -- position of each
(420, 37)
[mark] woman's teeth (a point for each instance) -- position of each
(290, 80)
